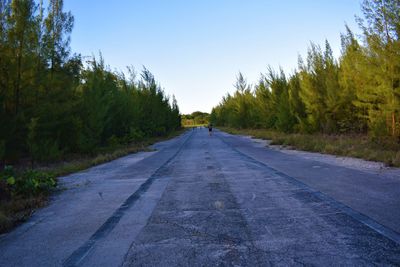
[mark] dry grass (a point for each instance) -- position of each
(78, 163)
(17, 210)
(358, 146)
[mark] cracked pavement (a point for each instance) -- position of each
(206, 201)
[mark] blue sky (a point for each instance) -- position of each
(196, 48)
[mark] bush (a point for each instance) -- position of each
(30, 183)
(378, 130)
(136, 134)
(34, 183)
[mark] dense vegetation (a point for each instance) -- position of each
(357, 93)
(56, 107)
(195, 118)
(52, 104)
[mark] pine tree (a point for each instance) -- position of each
(58, 26)
(50, 105)
(352, 80)
(263, 102)
(296, 105)
(381, 31)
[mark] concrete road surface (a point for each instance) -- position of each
(207, 201)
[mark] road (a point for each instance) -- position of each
(206, 201)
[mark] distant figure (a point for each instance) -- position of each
(210, 129)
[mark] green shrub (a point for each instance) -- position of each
(34, 183)
(378, 130)
(30, 183)
(135, 134)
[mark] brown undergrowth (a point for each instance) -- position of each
(357, 146)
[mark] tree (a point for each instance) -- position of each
(352, 80)
(296, 105)
(359, 92)
(243, 103)
(263, 104)
(58, 26)
(51, 106)
(381, 35)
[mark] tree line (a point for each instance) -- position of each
(359, 92)
(52, 103)
(195, 118)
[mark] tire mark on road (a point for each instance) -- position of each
(221, 209)
(76, 258)
(251, 247)
(371, 223)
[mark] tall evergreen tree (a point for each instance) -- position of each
(381, 30)
(50, 105)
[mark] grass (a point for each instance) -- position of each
(357, 146)
(16, 208)
(77, 163)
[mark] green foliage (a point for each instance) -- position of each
(10, 181)
(357, 93)
(52, 106)
(196, 118)
(237, 110)
(34, 182)
(268, 106)
(135, 135)
(380, 96)
(29, 183)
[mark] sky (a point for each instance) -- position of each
(196, 48)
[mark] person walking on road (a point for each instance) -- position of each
(210, 129)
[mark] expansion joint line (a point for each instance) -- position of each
(364, 219)
(76, 258)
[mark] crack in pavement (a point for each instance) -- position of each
(372, 224)
(76, 258)
(186, 225)
(207, 203)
